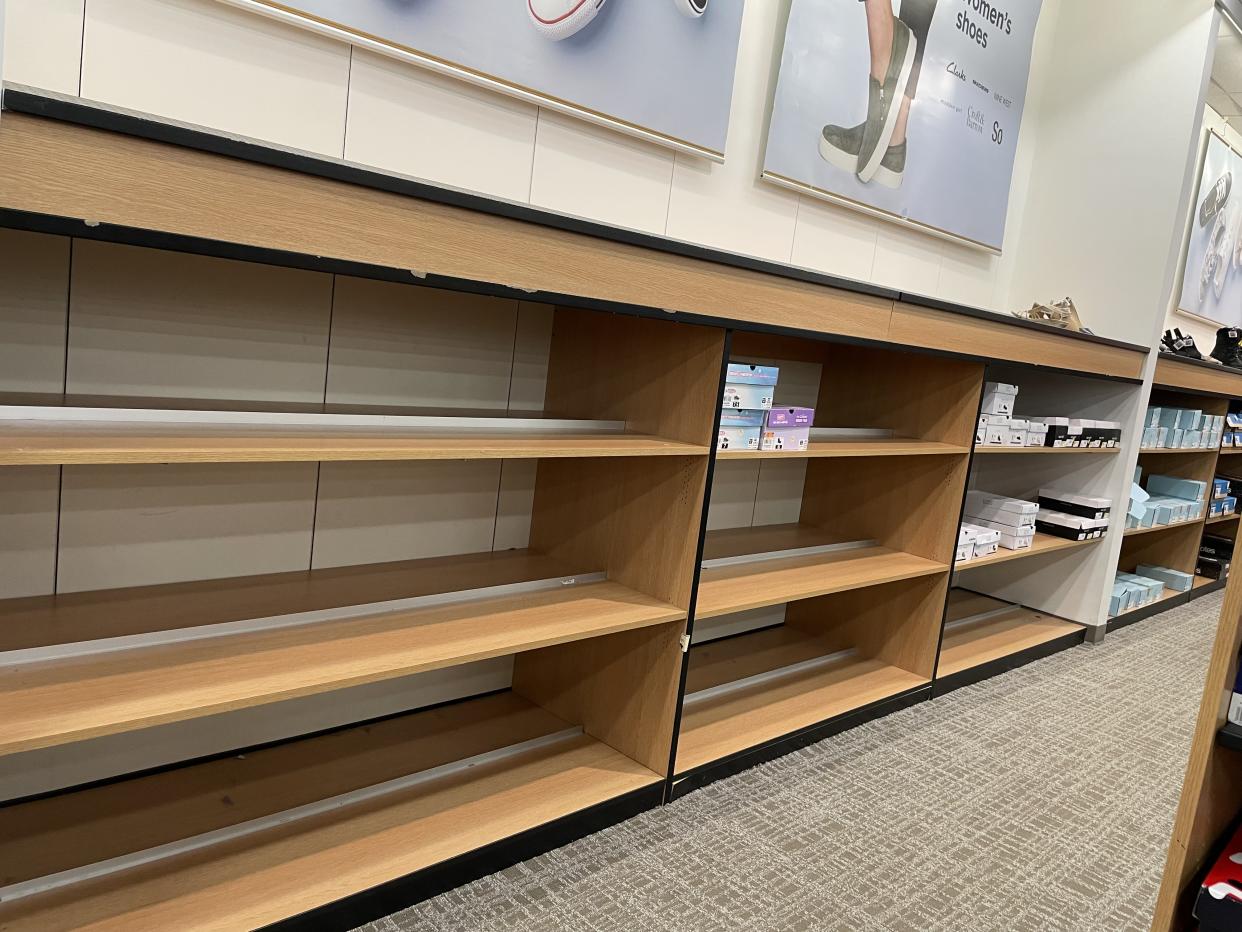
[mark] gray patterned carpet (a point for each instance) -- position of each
(1038, 801)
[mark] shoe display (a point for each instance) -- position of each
(1178, 344)
(560, 19)
(1216, 198)
(1228, 348)
(1062, 314)
(692, 8)
(884, 102)
(840, 145)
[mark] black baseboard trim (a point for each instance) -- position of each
(1146, 611)
(701, 776)
(1198, 592)
(985, 671)
(378, 902)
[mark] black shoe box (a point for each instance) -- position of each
(1212, 567)
(1072, 508)
(1058, 435)
(1217, 547)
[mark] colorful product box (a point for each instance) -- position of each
(790, 417)
(785, 439)
(739, 438)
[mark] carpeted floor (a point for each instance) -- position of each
(1038, 801)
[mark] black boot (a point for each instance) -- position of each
(1228, 348)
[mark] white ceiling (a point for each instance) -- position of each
(1225, 92)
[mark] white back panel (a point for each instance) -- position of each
(34, 302)
(42, 43)
(165, 324)
(29, 498)
(141, 525)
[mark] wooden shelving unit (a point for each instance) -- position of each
(593, 680)
(1030, 451)
(857, 583)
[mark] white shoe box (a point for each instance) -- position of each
(986, 540)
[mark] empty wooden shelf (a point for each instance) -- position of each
(416, 810)
(886, 446)
(58, 701)
(726, 722)
(1040, 544)
(980, 630)
(1148, 450)
(740, 586)
(1221, 519)
(55, 441)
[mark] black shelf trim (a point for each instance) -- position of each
(1139, 614)
(75, 110)
(1230, 736)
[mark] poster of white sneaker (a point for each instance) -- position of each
(658, 69)
(905, 109)
(1212, 272)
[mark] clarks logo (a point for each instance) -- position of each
(953, 69)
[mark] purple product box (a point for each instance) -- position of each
(791, 417)
(785, 439)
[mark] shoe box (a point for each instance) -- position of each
(975, 540)
(1172, 579)
(749, 387)
(787, 430)
(1071, 527)
(1013, 519)
(1182, 429)
(1215, 556)
(740, 429)
(1218, 904)
(1085, 506)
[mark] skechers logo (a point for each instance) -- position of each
(953, 69)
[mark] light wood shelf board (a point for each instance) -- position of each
(254, 880)
(31, 443)
(727, 589)
(1040, 544)
(888, 446)
(1222, 519)
(1146, 451)
(78, 617)
(972, 644)
(1190, 377)
(1136, 531)
(732, 722)
(55, 702)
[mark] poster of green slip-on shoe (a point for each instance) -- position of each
(1212, 273)
(663, 68)
(907, 107)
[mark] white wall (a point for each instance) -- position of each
(1114, 126)
(203, 62)
(1203, 330)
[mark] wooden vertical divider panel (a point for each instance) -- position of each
(637, 517)
(1211, 797)
(910, 504)
(898, 623)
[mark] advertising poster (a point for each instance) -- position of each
(660, 68)
(906, 108)
(1212, 275)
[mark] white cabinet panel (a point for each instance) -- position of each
(834, 240)
(142, 525)
(165, 324)
(28, 503)
(907, 260)
(378, 512)
(203, 62)
(34, 301)
(592, 172)
(420, 347)
(409, 120)
(43, 43)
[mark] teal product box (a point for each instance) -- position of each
(1120, 602)
(741, 373)
(1189, 419)
(738, 438)
(1230, 505)
(1189, 489)
(1173, 579)
(1154, 588)
(1153, 417)
(1216, 509)
(1169, 418)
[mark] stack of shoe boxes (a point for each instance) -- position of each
(999, 426)
(747, 399)
(1175, 500)
(1072, 515)
(974, 541)
(1182, 429)
(1013, 519)
(1232, 437)
(1223, 502)
(1131, 591)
